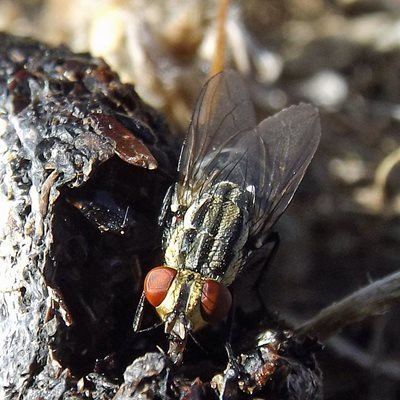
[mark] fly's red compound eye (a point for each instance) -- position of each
(156, 284)
(216, 301)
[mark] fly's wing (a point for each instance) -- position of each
(224, 144)
(222, 118)
(287, 142)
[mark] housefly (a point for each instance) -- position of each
(236, 178)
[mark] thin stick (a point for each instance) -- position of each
(219, 55)
(345, 349)
(349, 351)
(385, 167)
(365, 302)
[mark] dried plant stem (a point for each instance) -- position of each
(351, 352)
(365, 302)
(385, 167)
(219, 56)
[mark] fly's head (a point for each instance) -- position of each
(185, 301)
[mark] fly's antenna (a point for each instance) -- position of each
(220, 45)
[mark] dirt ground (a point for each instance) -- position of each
(342, 230)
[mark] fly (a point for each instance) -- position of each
(236, 178)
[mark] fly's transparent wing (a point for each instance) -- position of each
(224, 144)
(223, 118)
(287, 143)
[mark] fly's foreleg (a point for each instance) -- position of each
(139, 313)
(268, 254)
(230, 321)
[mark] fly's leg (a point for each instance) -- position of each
(247, 286)
(137, 320)
(270, 254)
(230, 322)
(233, 374)
(198, 344)
(232, 358)
(230, 373)
(139, 313)
(265, 256)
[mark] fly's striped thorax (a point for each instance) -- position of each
(210, 237)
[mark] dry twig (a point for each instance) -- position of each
(219, 56)
(350, 351)
(365, 302)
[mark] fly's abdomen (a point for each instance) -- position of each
(215, 230)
